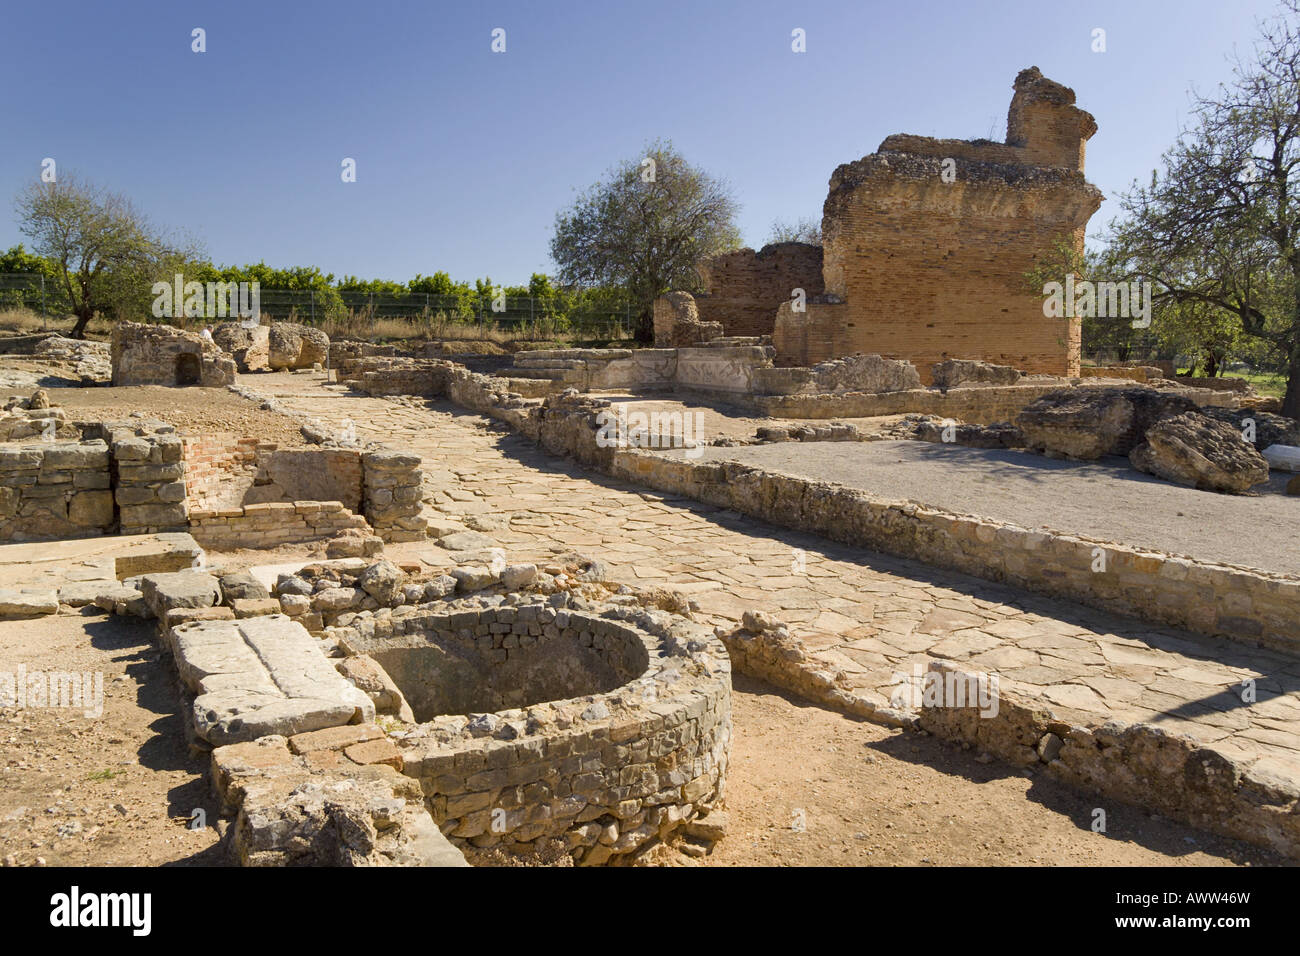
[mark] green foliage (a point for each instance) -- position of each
(105, 253)
(1219, 226)
(805, 230)
(644, 228)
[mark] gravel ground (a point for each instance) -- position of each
(1107, 500)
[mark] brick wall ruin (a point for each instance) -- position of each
(744, 288)
(272, 524)
(925, 247)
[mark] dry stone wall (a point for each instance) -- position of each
(273, 524)
(148, 476)
(55, 490)
(163, 355)
(605, 772)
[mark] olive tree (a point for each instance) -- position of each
(105, 253)
(644, 228)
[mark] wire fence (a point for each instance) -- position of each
(515, 315)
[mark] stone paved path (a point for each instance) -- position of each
(868, 614)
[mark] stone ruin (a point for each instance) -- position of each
(162, 355)
(275, 347)
(926, 244)
(677, 322)
(743, 288)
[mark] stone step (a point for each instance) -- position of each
(261, 675)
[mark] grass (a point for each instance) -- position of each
(464, 336)
(105, 774)
(1266, 383)
(26, 322)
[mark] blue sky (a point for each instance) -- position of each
(464, 156)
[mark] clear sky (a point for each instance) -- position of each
(464, 156)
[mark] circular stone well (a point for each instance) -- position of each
(604, 728)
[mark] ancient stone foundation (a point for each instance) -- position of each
(163, 355)
(604, 731)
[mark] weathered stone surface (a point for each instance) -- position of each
(375, 819)
(91, 509)
(260, 676)
(383, 581)
(1269, 429)
(474, 577)
(1200, 452)
(179, 589)
(954, 372)
(294, 346)
(250, 347)
(354, 545)
(1282, 457)
(467, 541)
(28, 602)
(1087, 423)
(864, 373)
(517, 576)
(364, 671)
(254, 607)
(242, 584)
(439, 588)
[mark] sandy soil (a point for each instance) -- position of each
(194, 411)
(1107, 499)
(118, 789)
(868, 795)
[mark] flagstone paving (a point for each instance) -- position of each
(869, 615)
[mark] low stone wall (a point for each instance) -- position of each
(1239, 385)
(1133, 373)
(726, 369)
(393, 495)
(607, 772)
(149, 473)
(1224, 791)
(272, 524)
(1244, 796)
(55, 490)
(980, 405)
(1242, 603)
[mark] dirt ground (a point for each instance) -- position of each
(117, 790)
(868, 795)
(194, 411)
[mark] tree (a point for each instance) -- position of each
(805, 230)
(644, 228)
(106, 254)
(1220, 227)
